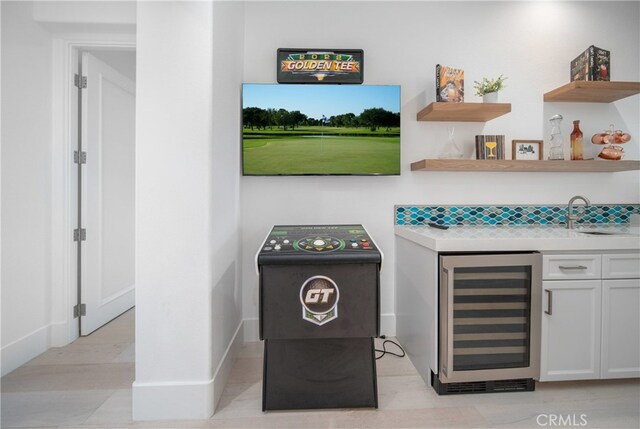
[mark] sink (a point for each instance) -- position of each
(601, 233)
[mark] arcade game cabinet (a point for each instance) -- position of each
(319, 314)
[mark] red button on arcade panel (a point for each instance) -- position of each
(365, 244)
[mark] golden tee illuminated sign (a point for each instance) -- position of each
(320, 66)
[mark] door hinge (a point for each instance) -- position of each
(79, 234)
(80, 81)
(79, 310)
(79, 157)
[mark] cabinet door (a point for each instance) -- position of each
(621, 328)
(570, 347)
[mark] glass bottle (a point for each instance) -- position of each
(555, 142)
(576, 142)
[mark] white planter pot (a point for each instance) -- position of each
(491, 97)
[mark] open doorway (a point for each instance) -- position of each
(104, 161)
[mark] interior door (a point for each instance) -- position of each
(108, 194)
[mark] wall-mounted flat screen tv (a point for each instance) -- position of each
(320, 129)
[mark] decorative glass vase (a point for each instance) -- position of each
(450, 149)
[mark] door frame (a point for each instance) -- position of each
(64, 328)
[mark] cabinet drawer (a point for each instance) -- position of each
(621, 266)
(569, 267)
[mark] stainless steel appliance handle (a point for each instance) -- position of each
(549, 309)
(572, 267)
(447, 363)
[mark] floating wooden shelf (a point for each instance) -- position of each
(582, 91)
(590, 166)
(463, 112)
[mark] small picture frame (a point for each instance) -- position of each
(530, 150)
(490, 147)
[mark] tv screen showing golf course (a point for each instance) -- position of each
(320, 129)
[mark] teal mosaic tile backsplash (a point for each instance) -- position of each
(511, 215)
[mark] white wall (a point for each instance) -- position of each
(26, 194)
(86, 16)
(226, 312)
(531, 43)
(173, 211)
(187, 271)
(122, 60)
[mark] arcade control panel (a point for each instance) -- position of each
(318, 242)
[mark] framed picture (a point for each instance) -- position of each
(490, 147)
(526, 149)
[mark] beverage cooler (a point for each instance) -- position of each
(319, 313)
(489, 322)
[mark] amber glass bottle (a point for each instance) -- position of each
(576, 142)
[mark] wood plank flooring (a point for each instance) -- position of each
(88, 385)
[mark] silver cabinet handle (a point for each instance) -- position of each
(574, 267)
(549, 309)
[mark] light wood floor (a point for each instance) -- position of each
(88, 385)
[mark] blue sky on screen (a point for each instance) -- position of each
(317, 100)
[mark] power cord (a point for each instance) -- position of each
(384, 350)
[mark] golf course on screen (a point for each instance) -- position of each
(361, 138)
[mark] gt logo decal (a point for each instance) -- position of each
(313, 295)
(319, 297)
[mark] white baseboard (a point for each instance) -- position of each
(186, 401)
(64, 333)
(250, 328)
(172, 401)
(387, 327)
(388, 324)
(223, 371)
(21, 351)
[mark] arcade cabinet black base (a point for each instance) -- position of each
(319, 373)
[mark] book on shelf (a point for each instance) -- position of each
(449, 84)
(593, 64)
(490, 147)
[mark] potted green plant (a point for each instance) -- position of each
(488, 88)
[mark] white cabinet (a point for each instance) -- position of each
(591, 316)
(620, 328)
(570, 347)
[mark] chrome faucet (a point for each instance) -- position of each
(570, 218)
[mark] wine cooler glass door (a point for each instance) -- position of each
(489, 317)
